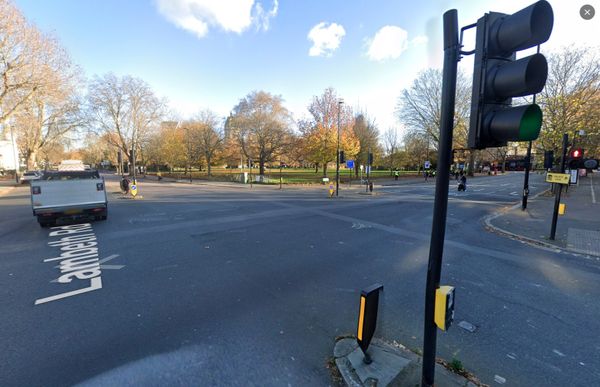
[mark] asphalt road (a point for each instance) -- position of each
(216, 285)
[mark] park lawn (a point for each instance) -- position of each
(288, 175)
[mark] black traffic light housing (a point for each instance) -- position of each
(342, 157)
(548, 159)
(498, 76)
(370, 159)
(576, 158)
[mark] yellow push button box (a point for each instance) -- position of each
(444, 307)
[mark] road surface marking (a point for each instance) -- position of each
(559, 353)
(592, 188)
(95, 284)
(78, 259)
(514, 193)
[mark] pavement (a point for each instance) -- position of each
(578, 230)
(211, 285)
(391, 364)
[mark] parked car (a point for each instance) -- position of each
(30, 176)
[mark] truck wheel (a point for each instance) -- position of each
(46, 224)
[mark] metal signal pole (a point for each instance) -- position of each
(438, 228)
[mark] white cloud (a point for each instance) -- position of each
(390, 42)
(326, 38)
(197, 16)
(262, 18)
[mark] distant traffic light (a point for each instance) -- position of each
(342, 157)
(576, 153)
(370, 159)
(548, 159)
(498, 76)
(576, 158)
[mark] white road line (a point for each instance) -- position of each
(95, 284)
(514, 193)
(592, 188)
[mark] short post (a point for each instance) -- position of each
(565, 144)
(367, 318)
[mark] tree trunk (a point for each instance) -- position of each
(208, 169)
(471, 163)
(324, 169)
(316, 167)
(30, 159)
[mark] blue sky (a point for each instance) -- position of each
(209, 53)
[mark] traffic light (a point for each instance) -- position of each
(576, 158)
(548, 159)
(498, 76)
(342, 157)
(370, 159)
(576, 153)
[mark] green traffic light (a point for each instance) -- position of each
(531, 123)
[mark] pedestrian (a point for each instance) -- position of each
(396, 174)
(462, 185)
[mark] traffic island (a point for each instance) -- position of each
(578, 229)
(392, 364)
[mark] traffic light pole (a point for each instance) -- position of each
(438, 228)
(557, 197)
(526, 181)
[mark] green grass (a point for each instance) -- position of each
(288, 175)
(456, 366)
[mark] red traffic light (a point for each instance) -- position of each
(577, 153)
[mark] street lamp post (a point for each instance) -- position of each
(337, 157)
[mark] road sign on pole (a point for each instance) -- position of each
(427, 164)
(133, 189)
(349, 164)
(559, 178)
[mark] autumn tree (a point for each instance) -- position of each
(27, 58)
(367, 134)
(38, 86)
(320, 134)
(416, 146)
(391, 143)
(260, 126)
(419, 108)
(126, 108)
(570, 99)
(206, 138)
(52, 112)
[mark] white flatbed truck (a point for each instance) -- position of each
(68, 194)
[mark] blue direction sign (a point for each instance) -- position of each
(349, 164)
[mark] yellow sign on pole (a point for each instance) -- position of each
(560, 178)
(133, 189)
